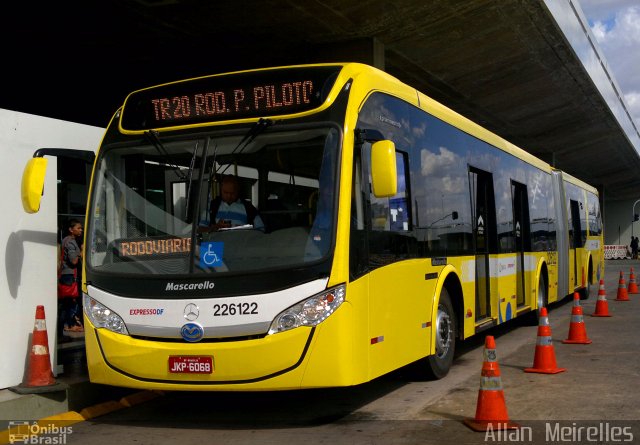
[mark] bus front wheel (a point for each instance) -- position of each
(439, 363)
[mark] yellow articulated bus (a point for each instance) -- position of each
(390, 227)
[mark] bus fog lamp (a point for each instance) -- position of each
(309, 312)
(103, 317)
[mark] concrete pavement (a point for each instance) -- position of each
(601, 381)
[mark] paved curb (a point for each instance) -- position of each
(72, 417)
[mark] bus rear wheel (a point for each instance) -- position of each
(439, 363)
(585, 292)
(542, 300)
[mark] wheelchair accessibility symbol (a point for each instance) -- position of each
(211, 254)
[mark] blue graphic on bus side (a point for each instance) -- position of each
(211, 254)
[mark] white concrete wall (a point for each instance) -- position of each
(28, 265)
(618, 222)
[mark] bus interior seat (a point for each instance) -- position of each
(274, 216)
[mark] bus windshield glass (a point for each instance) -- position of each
(157, 201)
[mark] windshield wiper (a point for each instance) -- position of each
(152, 135)
(253, 132)
(190, 180)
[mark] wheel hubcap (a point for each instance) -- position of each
(443, 333)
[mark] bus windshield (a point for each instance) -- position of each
(154, 201)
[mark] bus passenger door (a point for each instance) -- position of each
(483, 211)
(522, 235)
(575, 242)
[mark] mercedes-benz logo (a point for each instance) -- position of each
(191, 311)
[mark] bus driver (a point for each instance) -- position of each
(227, 210)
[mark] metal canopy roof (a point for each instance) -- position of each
(504, 64)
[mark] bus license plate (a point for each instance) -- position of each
(190, 364)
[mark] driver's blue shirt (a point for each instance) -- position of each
(236, 214)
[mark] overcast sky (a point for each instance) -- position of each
(616, 26)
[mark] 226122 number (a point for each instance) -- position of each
(222, 310)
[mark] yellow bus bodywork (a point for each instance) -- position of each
(388, 319)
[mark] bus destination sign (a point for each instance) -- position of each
(151, 248)
(222, 98)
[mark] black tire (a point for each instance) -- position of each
(438, 364)
(542, 300)
(585, 292)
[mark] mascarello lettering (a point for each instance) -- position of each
(171, 286)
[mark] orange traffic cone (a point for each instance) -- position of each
(491, 409)
(577, 329)
(602, 307)
(633, 287)
(39, 377)
(622, 289)
(544, 360)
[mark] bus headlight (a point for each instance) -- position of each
(309, 312)
(103, 317)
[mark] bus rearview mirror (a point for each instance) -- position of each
(383, 169)
(33, 184)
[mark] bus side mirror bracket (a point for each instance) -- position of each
(383, 169)
(367, 135)
(32, 187)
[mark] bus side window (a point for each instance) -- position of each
(392, 214)
(389, 237)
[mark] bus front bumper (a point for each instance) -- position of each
(274, 362)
